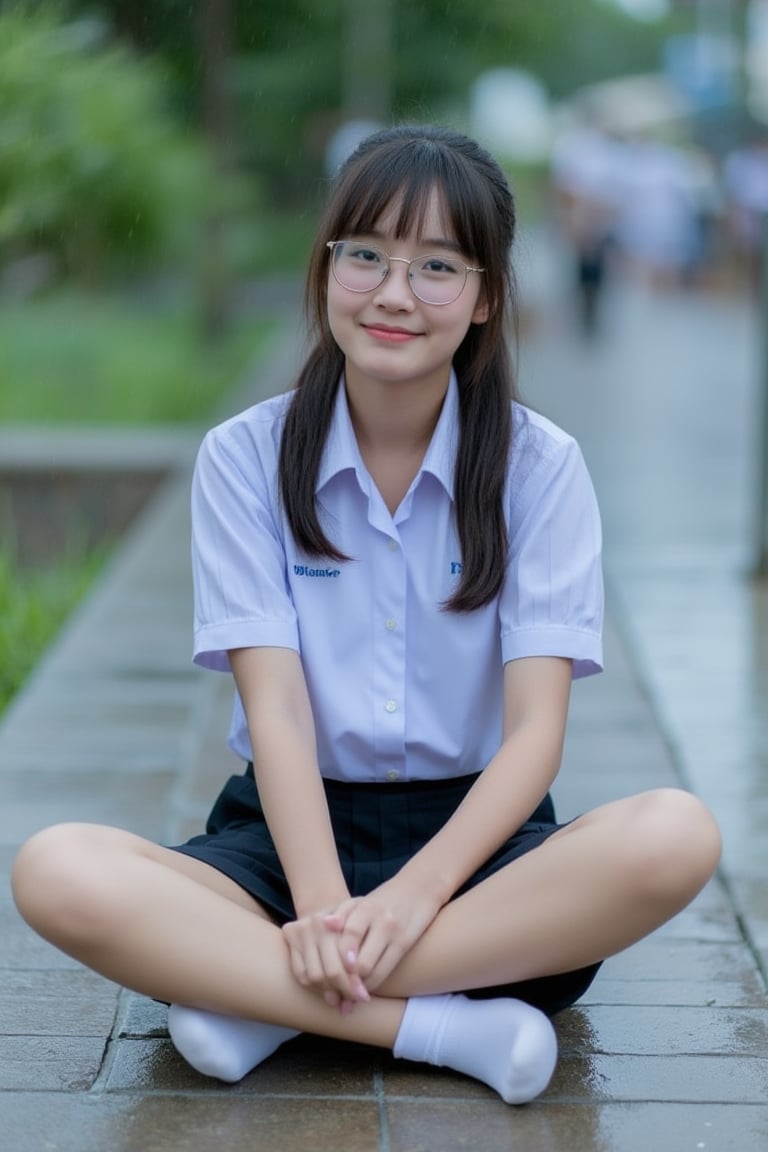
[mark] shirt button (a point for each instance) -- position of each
(392, 545)
(390, 706)
(390, 624)
(393, 774)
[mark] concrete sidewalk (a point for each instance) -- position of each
(670, 1047)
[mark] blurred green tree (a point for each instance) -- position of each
(94, 170)
(297, 66)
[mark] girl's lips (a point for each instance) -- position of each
(390, 335)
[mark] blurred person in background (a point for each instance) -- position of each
(584, 172)
(745, 188)
(659, 221)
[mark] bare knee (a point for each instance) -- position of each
(59, 882)
(676, 843)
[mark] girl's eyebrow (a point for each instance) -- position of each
(441, 242)
(424, 241)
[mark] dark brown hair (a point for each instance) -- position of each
(404, 165)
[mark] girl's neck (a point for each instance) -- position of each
(394, 417)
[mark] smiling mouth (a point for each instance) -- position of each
(392, 335)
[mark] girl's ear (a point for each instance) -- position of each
(482, 311)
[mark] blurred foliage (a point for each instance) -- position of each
(291, 61)
(96, 100)
(93, 168)
(68, 358)
(33, 605)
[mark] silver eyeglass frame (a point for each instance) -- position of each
(332, 245)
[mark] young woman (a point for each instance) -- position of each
(400, 566)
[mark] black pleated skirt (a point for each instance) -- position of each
(377, 827)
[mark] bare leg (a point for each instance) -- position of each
(598, 885)
(230, 1048)
(170, 927)
(140, 915)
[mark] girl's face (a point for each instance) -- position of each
(388, 335)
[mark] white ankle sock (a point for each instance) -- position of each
(223, 1046)
(507, 1044)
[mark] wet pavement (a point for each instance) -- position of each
(670, 1047)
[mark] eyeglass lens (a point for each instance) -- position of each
(434, 279)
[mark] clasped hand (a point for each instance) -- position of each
(347, 952)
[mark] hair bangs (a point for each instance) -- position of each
(403, 180)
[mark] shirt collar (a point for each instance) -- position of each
(342, 453)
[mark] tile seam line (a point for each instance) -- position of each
(99, 1085)
(233, 1092)
(381, 1101)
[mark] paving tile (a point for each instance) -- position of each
(49, 1063)
(153, 1065)
(305, 1066)
(750, 894)
(608, 750)
(660, 1031)
(665, 958)
(311, 1065)
(401, 1078)
(29, 802)
(60, 1003)
(142, 1017)
(673, 993)
(429, 1126)
(182, 1123)
(684, 1079)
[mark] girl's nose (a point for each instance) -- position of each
(395, 289)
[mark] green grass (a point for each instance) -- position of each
(34, 603)
(69, 358)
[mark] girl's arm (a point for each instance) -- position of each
(274, 694)
(379, 930)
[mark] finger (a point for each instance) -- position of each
(351, 959)
(348, 985)
(376, 944)
(355, 931)
(314, 965)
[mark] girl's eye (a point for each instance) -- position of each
(437, 266)
(364, 255)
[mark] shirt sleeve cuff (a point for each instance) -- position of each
(213, 642)
(584, 648)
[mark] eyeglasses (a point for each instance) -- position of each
(360, 267)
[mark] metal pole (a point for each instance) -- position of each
(761, 569)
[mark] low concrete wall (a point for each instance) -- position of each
(77, 488)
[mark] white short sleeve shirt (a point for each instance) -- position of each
(400, 689)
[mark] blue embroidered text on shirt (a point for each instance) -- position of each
(303, 570)
(456, 567)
